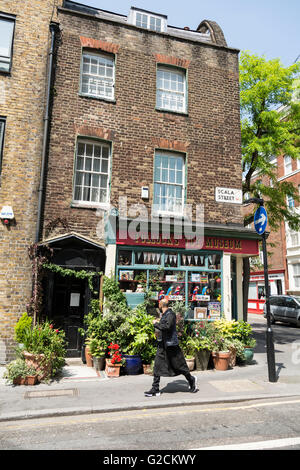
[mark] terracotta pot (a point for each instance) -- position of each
(147, 369)
(37, 361)
(112, 370)
(190, 363)
(88, 357)
(19, 381)
(221, 360)
(31, 380)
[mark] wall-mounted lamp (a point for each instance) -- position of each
(7, 215)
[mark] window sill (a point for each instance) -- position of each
(172, 215)
(169, 111)
(5, 72)
(98, 98)
(89, 205)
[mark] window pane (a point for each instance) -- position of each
(168, 183)
(97, 76)
(2, 127)
(171, 89)
(6, 37)
(6, 34)
(89, 184)
(96, 166)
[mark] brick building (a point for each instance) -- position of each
(24, 47)
(149, 112)
(283, 246)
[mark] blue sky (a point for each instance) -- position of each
(264, 27)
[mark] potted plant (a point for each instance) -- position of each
(137, 336)
(248, 351)
(148, 355)
(236, 348)
(188, 346)
(203, 344)
(44, 349)
(17, 373)
(220, 351)
(87, 353)
(114, 362)
(203, 348)
(97, 350)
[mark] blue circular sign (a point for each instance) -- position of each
(260, 220)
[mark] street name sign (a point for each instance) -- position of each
(229, 195)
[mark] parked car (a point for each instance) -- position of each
(284, 308)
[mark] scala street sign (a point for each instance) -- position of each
(229, 195)
(260, 220)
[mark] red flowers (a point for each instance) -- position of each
(114, 353)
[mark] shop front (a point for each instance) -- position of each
(257, 294)
(208, 281)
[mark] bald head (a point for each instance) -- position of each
(163, 304)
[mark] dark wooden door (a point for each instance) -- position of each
(68, 309)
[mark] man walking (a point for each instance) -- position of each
(169, 359)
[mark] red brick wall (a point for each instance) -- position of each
(209, 134)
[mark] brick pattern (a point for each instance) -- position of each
(101, 45)
(209, 134)
(172, 60)
(22, 98)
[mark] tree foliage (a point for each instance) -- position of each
(270, 126)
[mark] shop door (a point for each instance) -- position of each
(68, 310)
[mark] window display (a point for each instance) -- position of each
(189, 277)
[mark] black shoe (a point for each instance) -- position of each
(152, 393)
(193, 385)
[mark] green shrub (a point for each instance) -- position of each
(44, 339)
(22, 325)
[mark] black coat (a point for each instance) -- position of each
(169, 359)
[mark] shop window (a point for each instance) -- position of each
(171, 259)
(193, 260)
(252, 294)
(204, 295)
(7, 26)
(196, 281)
(147, 257)
(125, 257)
(91, 182)
(98, 75)
(171, 89)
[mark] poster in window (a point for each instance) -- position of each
(74, 299)
(200, 313)
(126, 275)
(214, 309)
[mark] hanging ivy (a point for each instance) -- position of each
(38, 256)
(82, 274)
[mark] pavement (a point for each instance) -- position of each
(80, 390)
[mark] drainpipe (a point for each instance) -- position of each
(53, 29)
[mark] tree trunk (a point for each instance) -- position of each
(246, 279)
